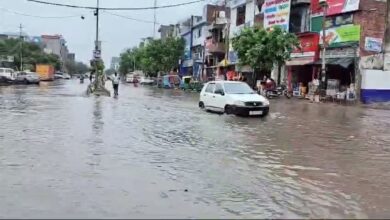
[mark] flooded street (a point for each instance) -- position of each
(153, 154)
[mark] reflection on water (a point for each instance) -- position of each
(66, 155)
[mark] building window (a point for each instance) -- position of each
(199, 33)
(241, 15)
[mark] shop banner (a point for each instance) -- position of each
(308, 46)
(373, 44)
(335, 6)
(277, 13)
(342, 34)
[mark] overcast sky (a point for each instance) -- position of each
(116, 33)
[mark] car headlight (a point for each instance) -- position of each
(239, 103)
(266, 102)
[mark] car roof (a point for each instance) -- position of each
(224, 81)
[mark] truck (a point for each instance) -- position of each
(45, 72)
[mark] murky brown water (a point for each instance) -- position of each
(154, 154)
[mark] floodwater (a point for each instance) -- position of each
(153, 154)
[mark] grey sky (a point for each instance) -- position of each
(116, 33)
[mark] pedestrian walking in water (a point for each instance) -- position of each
(115, 83)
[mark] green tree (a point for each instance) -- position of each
(32, 54)
(76, 68)
(157, 55)
(261, 49)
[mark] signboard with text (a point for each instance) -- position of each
(277, 13)
(335, 6)
(342, 34)
(373, 44)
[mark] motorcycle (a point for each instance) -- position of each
(81, 80)
(281, 90)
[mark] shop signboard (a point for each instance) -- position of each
(373, 44)
(341, 53)
(335, 7)
(277, 13)
(308, 46)
(342, 34)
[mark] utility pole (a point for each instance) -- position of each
(97, 26)
(21, 46)
(155, 19)
(324, 6)
(227, 29)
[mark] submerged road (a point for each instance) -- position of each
(153, 154)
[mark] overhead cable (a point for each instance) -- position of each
(115, 9)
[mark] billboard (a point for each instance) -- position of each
(342, 34)
(277, 13)
(335, 6)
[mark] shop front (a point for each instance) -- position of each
(341, 58)
(301, 67)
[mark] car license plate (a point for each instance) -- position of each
(255, 112)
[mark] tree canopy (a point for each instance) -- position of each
(32, 54)
(76, 68)
(156, 55)
(261, 49)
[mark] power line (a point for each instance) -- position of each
(37, 16)
(116, 9)
(130, 18)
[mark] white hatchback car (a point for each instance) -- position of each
(232, 97)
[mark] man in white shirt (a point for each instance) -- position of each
(115, 83)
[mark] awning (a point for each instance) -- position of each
(343, 62)
(224, 63)
(300, 61)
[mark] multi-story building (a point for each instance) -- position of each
(216, 41)
(168, 31)
(71, 57)
(115, 63)
(55, 44)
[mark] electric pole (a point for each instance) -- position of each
(155, 19)
(21, 46)
(97, 27)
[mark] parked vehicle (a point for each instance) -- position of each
(169, 82)
(45, 72)
(26, 77)
(7, 75)
(61, 75)
(233, 97)
(146, 81)
(277, 92)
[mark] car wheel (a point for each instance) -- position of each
(201, 105)
(228, 110)
(25, 81)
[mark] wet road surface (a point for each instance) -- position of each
(153, 154)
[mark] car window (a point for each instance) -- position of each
(238, 88)
(218, 87)
(1, 70)
(210, 88)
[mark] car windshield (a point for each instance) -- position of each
(238, 88)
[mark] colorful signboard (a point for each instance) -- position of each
(335, 6)
(342, 34)
(308, 51)
(277, 13)
(373, 44)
